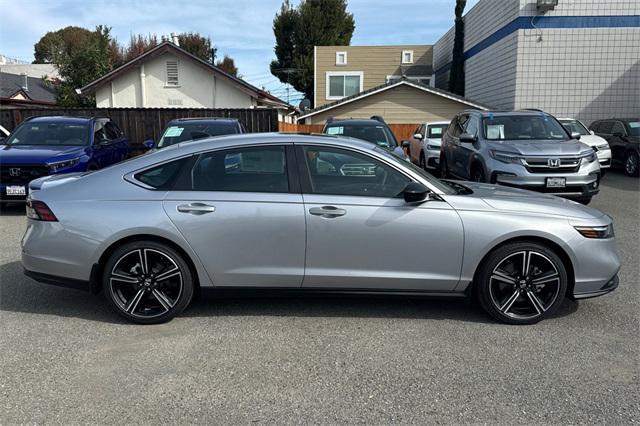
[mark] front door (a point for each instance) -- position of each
(243, 217)
(362, 235)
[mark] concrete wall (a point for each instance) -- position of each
(198, 88)
(402, 104)
(375, 62)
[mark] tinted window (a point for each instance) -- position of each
(472, 127)
(618, 128)
(605, 127)
(55, 134)
(163, 176)
(262, 169)
(523, 127)
(112, 131)
(457, 125)
(634, 128)
(342, 172)
(378, 133)
(186, 131)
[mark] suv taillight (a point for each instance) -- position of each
(37, 210)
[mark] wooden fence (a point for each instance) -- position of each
(140, 124)
(401, 131)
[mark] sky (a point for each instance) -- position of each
(241, 29)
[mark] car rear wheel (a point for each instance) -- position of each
(631, 164)
(444, 168)
(521, 283)
(147, 282)
(423, 161)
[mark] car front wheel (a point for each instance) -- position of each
(423, 161)
(444, 167)
(631, 164)
(147, 282)
(521, 283)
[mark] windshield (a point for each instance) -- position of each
(446, 189)
(191, 131)
(50, 134)
(435, 131)
(378, 134)
(634, 128)
(523, 127)
(574, 126)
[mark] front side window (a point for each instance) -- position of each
(523, 127)
(255, 169)
(342, 85)
(575, 126)
(471, 127)
(378, 134)
(341, 172)
(51, 134)
(605, 127)
(618, 129)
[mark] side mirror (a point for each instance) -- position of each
(415, 192)
(468, 138)
(418, 136)
(592, 132)
(149, 144)
(405, 144)
(575, 135)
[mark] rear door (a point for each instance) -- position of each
(456, 159)
(362, 235)
(242, 213)
(102, 152)
(618, 141)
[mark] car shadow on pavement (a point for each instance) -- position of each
(12, 209)
(616, 179)
(21, 294)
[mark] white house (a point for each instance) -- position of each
(170, 77)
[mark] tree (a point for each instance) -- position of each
(138, 44)
(82, 65)
(63, 42)
(297, 31)
(198, 45)
(228, 65)
(456, 73)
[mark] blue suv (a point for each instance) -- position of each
(42, 146)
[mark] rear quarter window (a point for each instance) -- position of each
(161, 177)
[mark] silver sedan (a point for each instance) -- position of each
(311, 213)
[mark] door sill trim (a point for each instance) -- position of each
(300, 291)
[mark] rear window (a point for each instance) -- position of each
(634, 127)
(378, 134)
(183, 132)
(162, 176)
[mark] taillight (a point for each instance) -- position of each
(38, 210)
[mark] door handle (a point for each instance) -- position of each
(196, 208)
(327, 211)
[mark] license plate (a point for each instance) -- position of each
(16, 190)
(556, 182)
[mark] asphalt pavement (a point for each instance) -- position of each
(66, 358)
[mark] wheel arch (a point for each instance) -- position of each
(98, 269)
(549, 243)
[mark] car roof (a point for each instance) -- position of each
(429, 123)
(204, 120)
(60, 119)
(356, 121)
(501, 113)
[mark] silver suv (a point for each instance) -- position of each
(527, 149)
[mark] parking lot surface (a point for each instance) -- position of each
(66, 358)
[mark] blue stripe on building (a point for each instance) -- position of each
(547, 22)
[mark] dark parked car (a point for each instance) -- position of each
(373, 130)
(190, 129)
(623, 135)
(42, 146)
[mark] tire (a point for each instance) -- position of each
(423, 161)
(584, 200)
(92, 167)
(133, 289)
(631, 164)
(513, 299)
(477, 173)
(444, 168)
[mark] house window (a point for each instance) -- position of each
(407, 56)
(343, 84)
(341, 58)
(172, 73)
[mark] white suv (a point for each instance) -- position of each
(600, 145)
(424, 148)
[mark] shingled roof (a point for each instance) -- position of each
(37, 91)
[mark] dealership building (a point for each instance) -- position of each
(571, 58)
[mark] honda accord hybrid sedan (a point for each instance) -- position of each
(311, 213)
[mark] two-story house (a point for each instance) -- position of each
(395, 82)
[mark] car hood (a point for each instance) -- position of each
(540, 147)
(504, 198)
(37, 154)
(592, 140)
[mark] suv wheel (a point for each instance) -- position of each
(147, 282)
(423, 161)
(521, 283)
(631, 166)
(444, 169)
(477, 174)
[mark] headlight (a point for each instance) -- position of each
(603, 147)
(589, 156)
(433, 147)
(599, 232)
(506, 157)
(59, 165)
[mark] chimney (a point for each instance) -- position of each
(25, 82)
(174, 39)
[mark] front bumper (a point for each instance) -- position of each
(604, 158)
(608, 287)
(576, 186)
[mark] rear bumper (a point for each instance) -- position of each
(58, 281)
